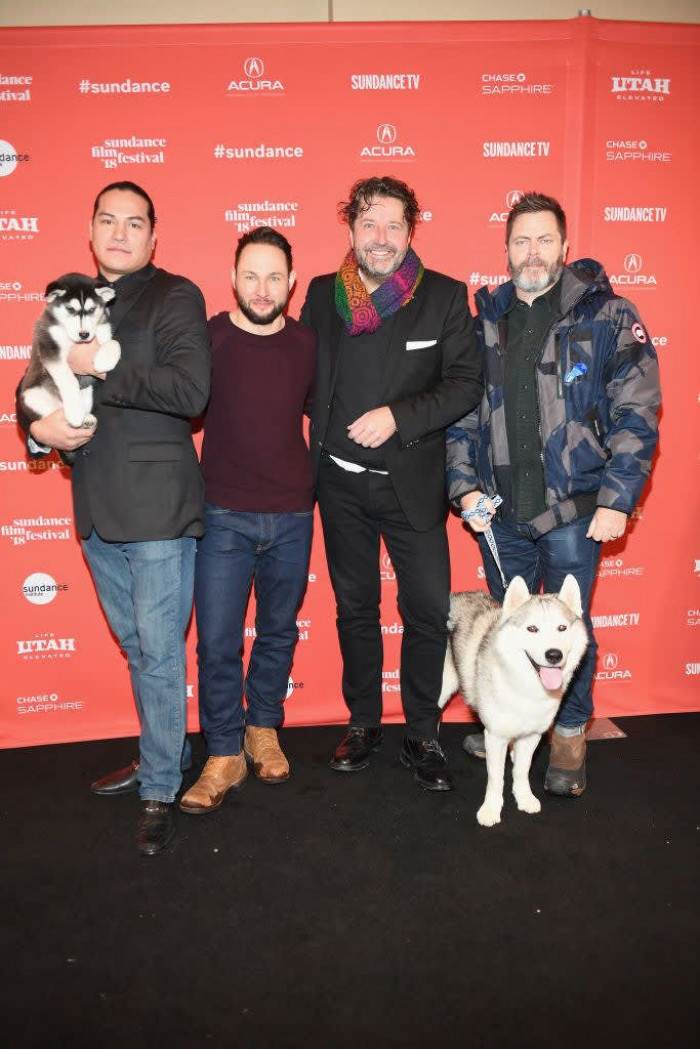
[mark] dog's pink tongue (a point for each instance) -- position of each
(551, 678)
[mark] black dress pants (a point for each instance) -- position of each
(356, 509)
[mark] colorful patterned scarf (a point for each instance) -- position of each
(362, 312)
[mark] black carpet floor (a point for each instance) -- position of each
(356, 910)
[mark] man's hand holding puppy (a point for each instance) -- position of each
(54, 430)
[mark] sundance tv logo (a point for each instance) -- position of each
(385, 81)
(388, 146)
(633, 277)
(17, 227)
(254, 80)
(626, 213)
(640, 86)
(15, 351)
(531, 149)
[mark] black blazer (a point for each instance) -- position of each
(432, 377)
(139, 478)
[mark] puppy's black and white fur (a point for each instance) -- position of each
(77, 311)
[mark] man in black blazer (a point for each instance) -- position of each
(397, 364)
(137, 488)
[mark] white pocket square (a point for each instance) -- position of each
(420, 344)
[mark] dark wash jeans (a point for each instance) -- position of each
(544, 562)
(269, 551)
(356, 509)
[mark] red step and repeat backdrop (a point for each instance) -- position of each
(229, 127)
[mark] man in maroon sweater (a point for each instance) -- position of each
(258, 519)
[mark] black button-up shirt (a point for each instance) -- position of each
(527, 330)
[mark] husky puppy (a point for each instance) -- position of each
(77, 310)
(513, 665)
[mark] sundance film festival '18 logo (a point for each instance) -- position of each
(633, 275)
(115, 152)
(388, 146)
(640, 86)
(512, 197)
(611, 669)
(15, 88)
(254, 80)
(17, 227)
(279, 214)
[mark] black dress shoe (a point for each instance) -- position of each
(354, 750)
(156, 827)
(429, 764)
(123, 781)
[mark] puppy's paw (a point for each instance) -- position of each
(526, 801)
(489, 814)
(107, 357)
(89, 422)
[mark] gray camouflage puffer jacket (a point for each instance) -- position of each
(599, 396)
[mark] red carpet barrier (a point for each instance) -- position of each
(232, 126)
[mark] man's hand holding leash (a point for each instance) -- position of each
(478, 517)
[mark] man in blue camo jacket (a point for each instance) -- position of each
(565, 434)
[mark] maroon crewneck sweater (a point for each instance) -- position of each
(254, 456)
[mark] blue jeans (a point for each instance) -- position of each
(145, 590)
(239, 549)
(545, 562)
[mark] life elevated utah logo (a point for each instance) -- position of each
(634, 275)
(255, 80)
(640, 86)
(388, 146)
(17, 227)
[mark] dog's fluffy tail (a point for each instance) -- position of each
(450, 680)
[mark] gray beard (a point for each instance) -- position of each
(536, 284)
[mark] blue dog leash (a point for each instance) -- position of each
(484, 515)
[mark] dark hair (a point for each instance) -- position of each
(127, 187)
(532, 202)
(265, 235)
(364, 191)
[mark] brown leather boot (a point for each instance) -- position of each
(262, 749)
(219, 776)
(566, 774)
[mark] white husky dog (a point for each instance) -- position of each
(512, 665)
(77, 311)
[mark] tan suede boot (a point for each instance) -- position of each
(219, 776)
(566, 774)
(263, 751)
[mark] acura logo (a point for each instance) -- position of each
(386, 134)
(610, 661)
(253, 68)
(633, 263)
(513, 197)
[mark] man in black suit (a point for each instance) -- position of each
(397, 364)
(137, 488)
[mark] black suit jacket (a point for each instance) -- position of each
(432, 377)
(139, 477)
